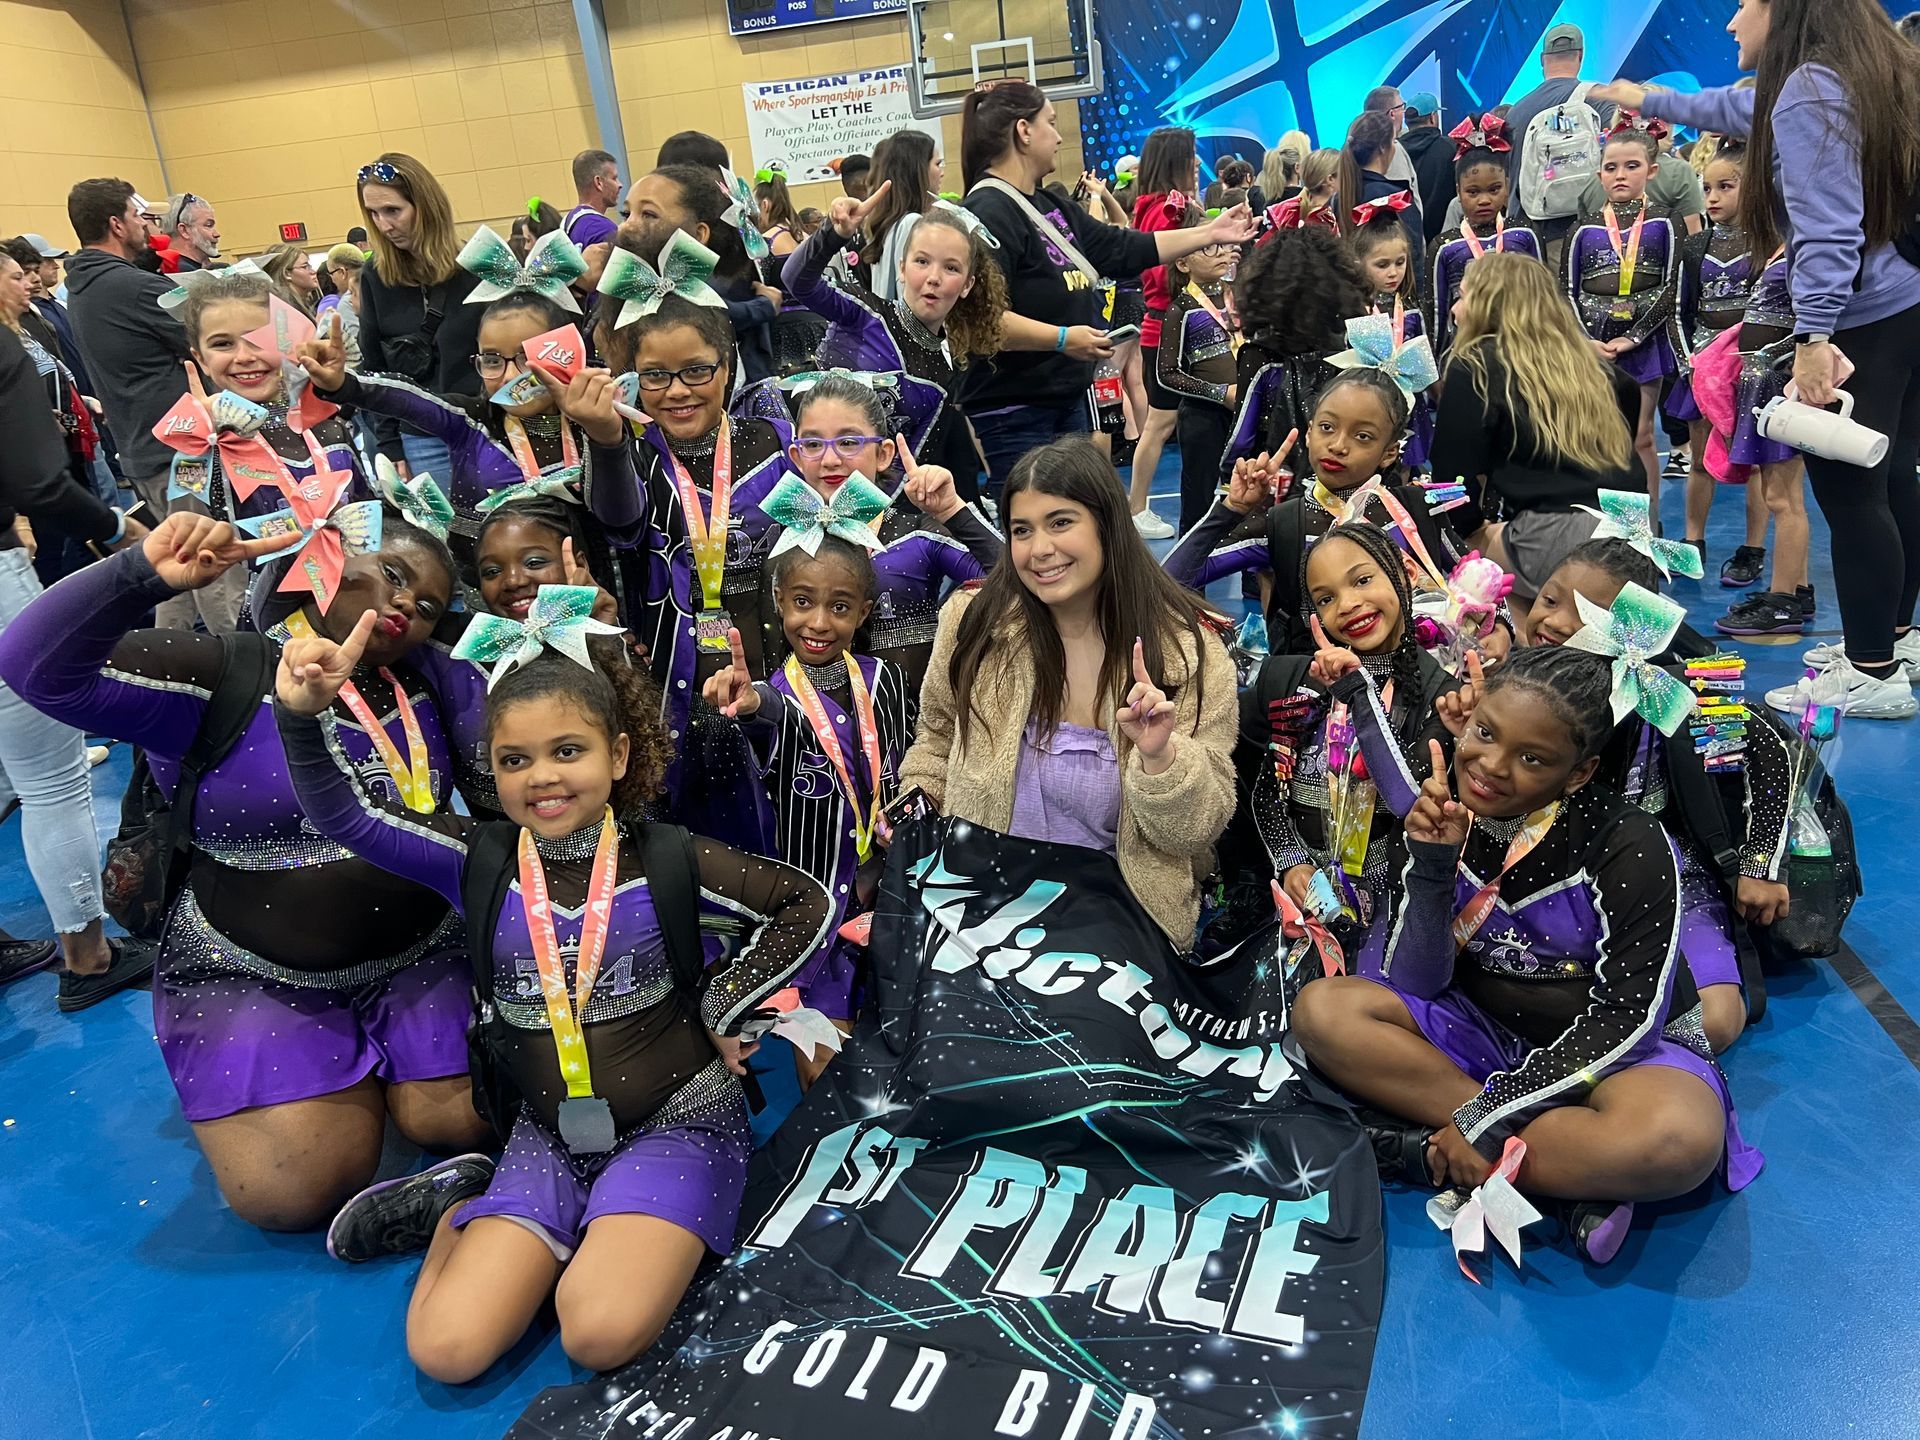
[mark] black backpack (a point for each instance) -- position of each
(148, 859)
(673, 880)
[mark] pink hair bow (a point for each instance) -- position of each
(1366, 210)
(1489, 132)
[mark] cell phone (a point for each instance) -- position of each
(1123, 334)
(140, 513)
(913, 805)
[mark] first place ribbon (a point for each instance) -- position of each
(866, 819)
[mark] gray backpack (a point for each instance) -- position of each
(1560, 154)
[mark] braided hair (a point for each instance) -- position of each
(1575, 685)
(1617, 560)
(563, 521)
(1379, 547)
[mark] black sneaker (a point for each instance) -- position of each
(1399, 1148)
(20, 958)
(398, 1217)
(1804, 594)
(132, 963)
(1744, 567)
(1767, 613)
(1677, 467)
(1596, 1230)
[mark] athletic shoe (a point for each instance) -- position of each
(1906, 649)
(1399, 1149)
(20, 958)
(1743, 567)
(1767, 613)
(398, 1217)
(1868, 697)
(97, 756)
(1151, 526)
(132, 963)
(1596, 1231)
(1677, 466)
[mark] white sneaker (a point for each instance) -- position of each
(1906, 649)
(1151, 526)
(1867, 696)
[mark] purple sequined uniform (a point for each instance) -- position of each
(1713, 298)
(255, 1001)
(680, 1117)
(1592, 279)
(1766, 364)
(1451, 257)
(335, 442)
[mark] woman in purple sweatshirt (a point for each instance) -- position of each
(1837, 192)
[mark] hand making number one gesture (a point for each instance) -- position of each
(1456, 707)
(929, 486)
(313, 668)
(324, 357)
(730, 691)
(188, 550)
(1436, 817)
(1147, 717)
(846, 214)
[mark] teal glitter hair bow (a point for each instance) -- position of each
(744, 215)
(560, 618)
(420, 500)
(186, 281)
(552, 265)
(802, 381)
(562, 482)
(1627, 515)
(808, 519)
(1378, 342)
(1639, 626)
(685, 265)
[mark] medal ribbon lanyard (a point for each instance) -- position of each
(564, 1009)
(708, 537)
(412, 777)
(865, 819)
(1474, 913)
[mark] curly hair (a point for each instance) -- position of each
(1575, 685)
(617, 696)
(620, 345)
(1617, 560)
(973, 325)
(1378, 547)
(1299, 290)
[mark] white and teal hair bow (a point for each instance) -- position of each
(420, 500)
(1639, 626)
(1628, 515)
(685, 266)
(968, 221)
(551, 267)
(1378, 342)
(187, 281)
(808, 519)
(800, 382)
(560, 618)
(744, 215)
(562, 482)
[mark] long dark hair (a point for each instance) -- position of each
(988, 121)
(1136, 596)
(1377, 545)
(1370, 134)
(1166, 161)
(903, 158)
(1880, 73)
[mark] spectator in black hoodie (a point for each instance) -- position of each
(1431, 151)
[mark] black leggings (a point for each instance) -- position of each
(1203, 430)
(1873, 515)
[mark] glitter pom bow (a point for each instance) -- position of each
(552, 265)
(809, 519)
(560, 618)
(562, 482)
(1393, 204)
(1627, 515)
(685, 265)
(420, 500)
(1639, 626)
(743, 214)
(1379, 341)
(188, 280)
(1489, 132)
(1631, 122)
(333, 533)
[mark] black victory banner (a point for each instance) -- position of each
(1061, 1185)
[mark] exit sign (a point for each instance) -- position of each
(293, 230)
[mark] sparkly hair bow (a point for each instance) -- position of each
(1638, 627)
(333, 532)
(553, 264)
(198, 424)
(1368, 210)
(420, 500)
(1489, 132)
(187, 281)
(967, 221)
(804, 380)
(809, 519)
(560, 618)
(562, 482)
(685, 265)
(1631, 123)
(1175, 204)
(1380, 342)
(1627, 515)
(743, 214)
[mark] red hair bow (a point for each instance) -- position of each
(1175, 204)
(1489, 132)
(1630, 121)
(1365, 212)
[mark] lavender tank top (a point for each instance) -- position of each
(1067, 787)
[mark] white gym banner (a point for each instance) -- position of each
(806, 127)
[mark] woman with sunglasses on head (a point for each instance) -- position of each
(413, 324)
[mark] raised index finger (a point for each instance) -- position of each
(739, 655)
(356, 643)
(194, 387)
(866, 206)
(1140, 661)
(269, 544)
(1439, 767)
(906, 452)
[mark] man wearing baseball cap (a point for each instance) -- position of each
(1562, 50)
(1431, 152)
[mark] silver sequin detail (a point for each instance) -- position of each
(196, 950)
(522, 1016)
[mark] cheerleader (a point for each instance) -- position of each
(950, 299)
(831, 727)
(1195, 358)
(1480, 180)
(1530, 984)
(616, 1072)
(1622, 273)
(301, 997)
(1379, 243)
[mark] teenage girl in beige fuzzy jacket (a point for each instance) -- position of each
(1078, 697)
